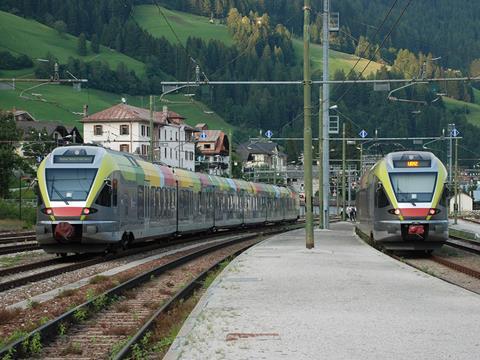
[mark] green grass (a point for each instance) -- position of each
(185, 25)
(62, 101)
(476, 93)
(195, 112)
(29, 37)
(338, 60)
(474, 109)
(58, 103)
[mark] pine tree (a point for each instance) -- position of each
(82, 45)
(95, 45)
(8, 156)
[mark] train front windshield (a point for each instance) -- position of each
(413, 188)
(69, 184)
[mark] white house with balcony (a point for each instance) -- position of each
(127, 128)
(213, 151)
(262, 159)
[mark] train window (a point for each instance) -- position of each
(105, 196)
(153, 203)
(125, 203)
(158, 209)
(381, 199)
(444, 198)
(174, 200)
(114, 192)
(140, 203)
(147, 201)
(413, 187)
(168, 205)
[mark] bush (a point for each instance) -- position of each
(10, 210)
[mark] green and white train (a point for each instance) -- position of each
(93, 199)
(402, 202)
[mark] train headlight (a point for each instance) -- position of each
(394, 211)
(433, 211)
(88, 211)
(47, 211)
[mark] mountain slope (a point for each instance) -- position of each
(59, 103)
(29, 37)
(185, 25)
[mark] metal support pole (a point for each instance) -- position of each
(349, 188)
(151, 128)
(20, 198)
(455, 205)
(230, 162)
(307, 134)
(326, 114)
(275, 159)
(320, 162)
(361, 159)
(450, 150)
(344, 164)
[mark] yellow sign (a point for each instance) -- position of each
(412, 163)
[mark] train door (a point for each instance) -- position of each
(146, 206)
(242, 205)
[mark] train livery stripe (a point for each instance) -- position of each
(442, 176)
(67, 211)
(382, 174)
(414, 212)
(104, 171)
(43, 185)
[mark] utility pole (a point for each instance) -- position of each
(275, 159)
(455, 204)
(450, 152)
(326, 114)
(307, 131)
(361, 159)
(230, 162)
(151, 128)
(320, 162)
(349, 201)
(344, 164)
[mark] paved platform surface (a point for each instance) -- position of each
(467, 226)
(342, 300)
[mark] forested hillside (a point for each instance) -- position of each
(262, 46)
(443, 27)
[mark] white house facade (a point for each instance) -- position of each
(127, 128)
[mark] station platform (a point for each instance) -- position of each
(466, 226)
(341, 300)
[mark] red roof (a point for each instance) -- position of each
(217, 137)
(124, 112)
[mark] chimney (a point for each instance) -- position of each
(85, 110)
(165, 111)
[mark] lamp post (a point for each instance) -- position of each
(455, 179)
(322, 189)
(307, 131)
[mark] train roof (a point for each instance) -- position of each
(418, 161)
(92, 156)
(404, 161)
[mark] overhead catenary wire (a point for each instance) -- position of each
(377, 50)
(377, 31)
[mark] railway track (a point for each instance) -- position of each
(12, 249)
(76, 264)
(6, 234)
(466, 245)
(8, 238)
(106, 320)
(457, 267)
